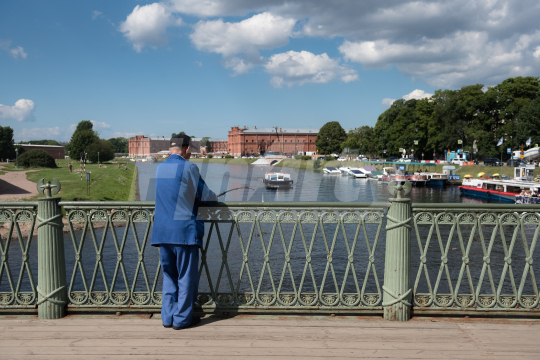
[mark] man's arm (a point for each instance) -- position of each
(204, 194)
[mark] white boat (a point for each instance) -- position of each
(436, 179)
(357, 173)
(278, 180)
(331, 170)
(344, 169)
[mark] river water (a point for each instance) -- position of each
(309, 186)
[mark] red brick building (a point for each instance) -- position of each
(218, 145)
(56, 151)
(290, 141)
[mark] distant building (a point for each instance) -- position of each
(216, 146)
(291, 141)
(56, 151)
(141, 145)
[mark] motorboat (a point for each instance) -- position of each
(357, 173)
(521, 189)
(331, 170)
(436, 179)
(344, 169)
(278, 180)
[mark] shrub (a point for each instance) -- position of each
(307, 157)
(298, 157)
(317, 164)
(37, 158)
(229, 157)
(210, 156)
(329, 158)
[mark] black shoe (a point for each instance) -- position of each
(167, 326)
(196, 320)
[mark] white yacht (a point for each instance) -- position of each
(357, 173)
(331, 170)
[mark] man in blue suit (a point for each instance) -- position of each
(178, 233)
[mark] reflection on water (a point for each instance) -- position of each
(309, 185)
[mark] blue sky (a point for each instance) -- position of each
(203, 66)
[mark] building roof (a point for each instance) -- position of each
(51, 146)
(216, 139)
(160, 138)
(284, 130)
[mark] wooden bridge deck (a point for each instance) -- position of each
(250, 337)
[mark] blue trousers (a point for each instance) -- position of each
(180, 283)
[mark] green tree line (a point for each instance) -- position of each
(473, 114)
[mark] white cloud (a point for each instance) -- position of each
(305, 67)
(54, 133)
(96, 14)
(447, 43)
(146, 25)
(388, 101)
(100, 125)
(15, 52)
(261, 31)
(460, 58)
(23, 110)
(415, 94)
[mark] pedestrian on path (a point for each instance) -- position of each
(178, 232)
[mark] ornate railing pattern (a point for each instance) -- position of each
(19, 242)
(482, 253)
(326, 232)
(303, 257)
(115, 228)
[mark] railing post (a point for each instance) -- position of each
(397, 263)
(52, 295)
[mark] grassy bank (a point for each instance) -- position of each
(107, 184)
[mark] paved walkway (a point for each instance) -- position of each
(14, 186)
(256, 337)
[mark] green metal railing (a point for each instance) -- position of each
(382, 258)
(499, 239)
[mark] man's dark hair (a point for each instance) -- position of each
(180, 141)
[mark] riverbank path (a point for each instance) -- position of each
(276, 337)
(15, 187)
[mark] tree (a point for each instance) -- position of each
(528, 125)
(82, 138)
(84, 125)
(120, 144)
(7, 150)
(104, 148)
(81, 141)
(330, 138)
(205, 141)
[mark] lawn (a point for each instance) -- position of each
(106, 184)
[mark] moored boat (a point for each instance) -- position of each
(357, 173)
(522, 189)
(436, 179)
(331, 170)
(278, 180)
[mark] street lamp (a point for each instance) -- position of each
(16, 158)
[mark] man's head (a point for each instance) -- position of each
(180, 145)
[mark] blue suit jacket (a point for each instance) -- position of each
(179, 191)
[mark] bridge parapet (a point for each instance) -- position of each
(286, 257)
